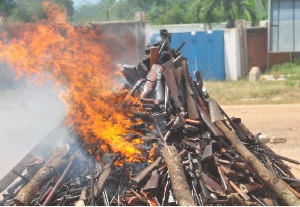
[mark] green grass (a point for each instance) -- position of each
(261, 92)
(291, 71)
(285, 69)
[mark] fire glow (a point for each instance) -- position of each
(75, 58)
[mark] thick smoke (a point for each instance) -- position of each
(77, 59)
(28, 113)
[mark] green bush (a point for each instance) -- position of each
(286, 68)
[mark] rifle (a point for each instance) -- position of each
(191, 103)
(194, 181)
(169, 75)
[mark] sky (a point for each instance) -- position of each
(80, 2)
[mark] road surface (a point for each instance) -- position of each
(282, 121)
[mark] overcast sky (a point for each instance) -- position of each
(79, 2)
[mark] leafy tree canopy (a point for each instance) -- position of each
(32, 10)
(106, 10)
(175, 11)
(2, 6)
(157, 11)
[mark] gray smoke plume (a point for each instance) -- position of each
(28, 113)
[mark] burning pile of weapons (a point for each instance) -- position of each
(198, 157)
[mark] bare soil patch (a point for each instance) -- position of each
(275, 120)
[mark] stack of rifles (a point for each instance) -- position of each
(200, 156)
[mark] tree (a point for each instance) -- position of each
(229, 10)
(169, 12)
(105, 10)
(32, 10)
(6, 6)
(106, 6)
(2, 6)
(114, 10)
(102, 11)
(136, 5)
(174, 11)
(261, 9)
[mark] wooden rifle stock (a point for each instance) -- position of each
(153, 182)
(191, 103)
(169, 75)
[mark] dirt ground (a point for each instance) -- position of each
(281, 121)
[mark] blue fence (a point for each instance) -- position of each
(204, 50)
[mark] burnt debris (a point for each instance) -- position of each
(199, 155)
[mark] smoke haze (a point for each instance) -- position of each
(28, 114)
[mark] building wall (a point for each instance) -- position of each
(257, 40)
(232, 54)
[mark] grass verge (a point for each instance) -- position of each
(261, 92)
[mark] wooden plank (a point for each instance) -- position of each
(11, 176)
(43, 149)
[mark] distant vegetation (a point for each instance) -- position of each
(175, 11)
(31, 10)
(157, 11)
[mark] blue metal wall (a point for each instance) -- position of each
(204, 50)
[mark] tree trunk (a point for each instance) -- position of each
(180, 187)
(273, 182)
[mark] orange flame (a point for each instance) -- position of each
(152, 153)
(76, 59)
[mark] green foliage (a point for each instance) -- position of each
(174, 14)
(144, 5)
(229, 11)
(2, 6)
(293, 81)
(205, 11)
(176, 11)
(29, 10)
(157, 11)
(261, 9)
(286, 69)
(170, 12)
(290, 70)
(263, 91)
(7, 6)
(104, 10)
(92, 12)
(32, 10)
(88, 13)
